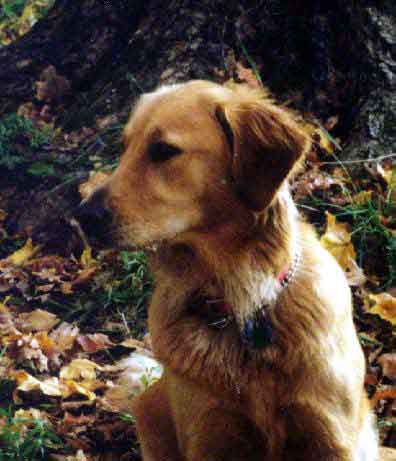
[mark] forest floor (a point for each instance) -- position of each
(71, 312)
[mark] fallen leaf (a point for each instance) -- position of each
(388, 365)
(52, 387)
(64, 336)
(87, 188)
(86, 259)
(72, 387)
(247, 75)
(355, 274)
(85, 275)
(312, 181)
(72, 420)
(337, 240)
(384, 305)
(331, 122)
(23, 254)
(321, 137)
(38, 320)
(388, 393)
(32, 413)
(67, 288)
(28, 383)
(80, 369)
(94, 342)
(363, 197)
(51, 87)
(133, 343)
(79, 456)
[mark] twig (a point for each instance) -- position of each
(369, 160)
(124, 321)
(74, 223)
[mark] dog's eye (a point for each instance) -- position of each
(161, 152)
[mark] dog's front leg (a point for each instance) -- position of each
(154, 425)
(220, 435)
(320, 433)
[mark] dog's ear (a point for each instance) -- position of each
(266, 143)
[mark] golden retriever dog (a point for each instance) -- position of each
(251, 317)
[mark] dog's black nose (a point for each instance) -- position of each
(94, 216)
(258, 331)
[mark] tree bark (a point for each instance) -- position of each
(373, 131)
(78, 38)
(340, 56)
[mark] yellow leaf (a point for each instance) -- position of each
(52, 387)
(384, 305)
(77, 388)
(31, 413)
(38, 320)
(320, 136)
(80, 369)
(23, 254)
(337, 241)
(28, 383)
(87, 259)
(25, 382)
(3, 305)
(363, 197)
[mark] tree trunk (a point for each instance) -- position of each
(373, 132)
(340, 56)
(78, 38)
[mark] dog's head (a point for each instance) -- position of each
(197, 157)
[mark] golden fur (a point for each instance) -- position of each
(220, 212)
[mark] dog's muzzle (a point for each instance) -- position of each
(94, 217)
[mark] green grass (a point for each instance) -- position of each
(374, 242)
(23, 439)
(11, 9)
(119, 292)
(18, 139)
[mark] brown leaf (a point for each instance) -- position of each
(86, 188)
(51, 87)
(94, 342)
(355, 274)
(73, 420)
(388, 393)
(312, 181)
(247, 75)
(64, 336)
(331, 122)
(388, 364)
(84, 276)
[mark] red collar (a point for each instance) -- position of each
(219, 313)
